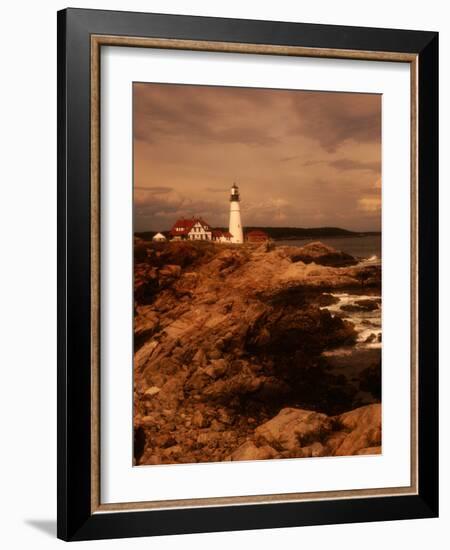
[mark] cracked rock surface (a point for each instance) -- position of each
(229, 359)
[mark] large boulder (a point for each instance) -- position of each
(364, 430)
(249, 451)
(293, 428)
(311, 330)
(322, 254)
(302, 433)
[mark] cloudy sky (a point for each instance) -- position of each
(301, 159)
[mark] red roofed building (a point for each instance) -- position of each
(257, 236)
(192, 229)
(197, 229)
(221, 236)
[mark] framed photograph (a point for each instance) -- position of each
(247, 274)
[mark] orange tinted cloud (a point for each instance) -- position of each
(301, 158)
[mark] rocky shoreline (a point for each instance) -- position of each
(235, 354)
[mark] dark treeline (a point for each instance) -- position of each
(287, 233)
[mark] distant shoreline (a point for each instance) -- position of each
(287, 233)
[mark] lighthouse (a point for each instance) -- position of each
(235, 216)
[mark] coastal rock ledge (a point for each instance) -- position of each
(232, 352)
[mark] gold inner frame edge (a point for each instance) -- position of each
(97, 41)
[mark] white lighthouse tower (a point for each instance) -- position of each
(235, 216)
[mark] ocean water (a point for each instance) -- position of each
(364, 247)
(367, 323)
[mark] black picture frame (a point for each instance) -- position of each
(75, 518)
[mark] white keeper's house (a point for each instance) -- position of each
(194, 229)
(197, 229)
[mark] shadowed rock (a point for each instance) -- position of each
(322, 254)
(226, 339)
